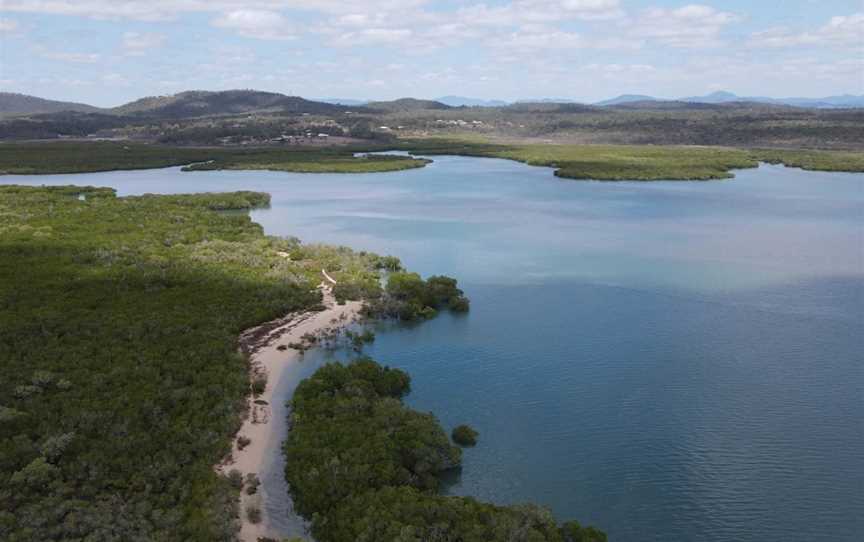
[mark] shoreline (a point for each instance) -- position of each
(266, 422)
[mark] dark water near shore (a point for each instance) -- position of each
(668, 361)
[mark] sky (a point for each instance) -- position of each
(108, 52)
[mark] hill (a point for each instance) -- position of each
(828, 102)
(199, 103)
(408, 104)
(550, 107)
(724, 97)
(342, 101)
(626, 98)
(22, 104)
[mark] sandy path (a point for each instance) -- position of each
(261, 426)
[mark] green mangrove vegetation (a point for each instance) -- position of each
(594, 162)
(641, 162)
(364, 467)
(82, 157)
(464, 435)
(121, 384)
(311, 162)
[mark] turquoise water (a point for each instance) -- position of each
(668, 361)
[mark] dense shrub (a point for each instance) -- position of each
(408, 297)
(364, 468)
(464, 435)
(120, 379)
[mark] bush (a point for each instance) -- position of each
(252, 483)
(235, 478)
(408, 297)
(362, 466)
(573, 532)
(465, 435)
(242, 442)
(253, 514)
(259, 383)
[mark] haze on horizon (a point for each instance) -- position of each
(107, 52)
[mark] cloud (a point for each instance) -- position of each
(531, 37)
(137, 44)
(373, 36)
(840, 31)
(8, 26)
(260, 24)
(79, 58)
(158, 10)
(690, 26)
(521, 12)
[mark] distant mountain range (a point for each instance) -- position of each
(193, 103)
(723, 97)
(627, 98)
(199, 103)
(452, 101)
(462, 101)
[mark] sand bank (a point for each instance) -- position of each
(266, 419)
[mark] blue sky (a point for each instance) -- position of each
(107, 52)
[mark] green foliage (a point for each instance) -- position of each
(812, 160)
(253, 514)
(121, 380)
(573, 532)
(78, 157)
(351, 433)
(407, 514)
(310, 161)
(642, 162)
(259, 383)
(408, 297)
(252, 483)
(359, 339)
(365, 468)
(464, 435)
(235, 477)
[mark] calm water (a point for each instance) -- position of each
(668, 361)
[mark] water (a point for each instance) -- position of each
(668, 361)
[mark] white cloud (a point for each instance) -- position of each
(537, 11)
(156, 10)
(7, 26)
(692, 25)
(532, 37)
(261, 24)
(373, 36)
(137, 44)
(840, 31)
(79, 58)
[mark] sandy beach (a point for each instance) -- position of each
(265, 423)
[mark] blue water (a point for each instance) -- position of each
(668, 361)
